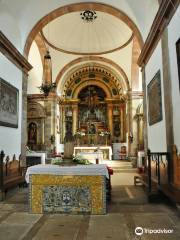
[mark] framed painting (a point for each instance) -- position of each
(178, 58)
(155, 99)
(9, 101)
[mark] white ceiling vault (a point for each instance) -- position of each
(70, 33)
(68, 37)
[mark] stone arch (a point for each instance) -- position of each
(35, 109)
(79, 88)
(80, 7)
(41, 46)
(93, 58)
(100, 73)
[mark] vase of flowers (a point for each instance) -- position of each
(78, 136)
(105, 134)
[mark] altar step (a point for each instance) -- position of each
(121, 166)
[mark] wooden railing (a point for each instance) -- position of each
(158, 170)
(162, 175)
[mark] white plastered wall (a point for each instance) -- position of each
(35, 75)
(157, 131)
(10, 138)
(173, 36)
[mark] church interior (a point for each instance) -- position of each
(89, 119)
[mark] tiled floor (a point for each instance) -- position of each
(127, 210)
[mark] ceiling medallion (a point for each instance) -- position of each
(88, 15)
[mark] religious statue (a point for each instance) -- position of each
(92, 129)
(92, 99)
(32, 133)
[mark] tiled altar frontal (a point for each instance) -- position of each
(67, 194)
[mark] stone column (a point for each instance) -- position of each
(141, 132)
(24, 118)
(42, 140)
(168, 106)
(74, 118)
(122, 122)
(145, 123)
(61, 123)
(129, 120)
(48, 125)
(110, 118)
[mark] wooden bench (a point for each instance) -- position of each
(11, 173)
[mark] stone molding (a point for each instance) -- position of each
(11, 52)
(166, 11)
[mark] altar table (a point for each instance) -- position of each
(74, 189)
(106, 151)
(92, 156)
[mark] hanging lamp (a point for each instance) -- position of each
(47, 84)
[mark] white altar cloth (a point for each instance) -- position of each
(85, 170)
(92, 156)
(107, 151)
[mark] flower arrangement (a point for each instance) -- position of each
(105, 133)
(28, 149)
(47, 88)
(80, 134)
(81, 160)
(56, 161)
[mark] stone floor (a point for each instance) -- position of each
(127, 210)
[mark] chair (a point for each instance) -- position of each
(123, 153)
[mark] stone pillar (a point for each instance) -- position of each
(48, 125)
(61, 123)
(141, 132)
(145, 129)
(110, 118)
(122, 122)
(24, 118)
(129, 121)
(74, 118)
(167, 98)
(42, 122)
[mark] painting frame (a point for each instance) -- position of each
(9, 104)
(155, 100)
(178, 58)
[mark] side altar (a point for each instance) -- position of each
(92, 151)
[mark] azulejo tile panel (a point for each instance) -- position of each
(67, 194)
(66, 199)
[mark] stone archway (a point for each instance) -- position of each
(80, 7)
(97, 59)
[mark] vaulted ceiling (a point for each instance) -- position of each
(114, 38)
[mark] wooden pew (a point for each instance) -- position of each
(176, 167)
(11, 173)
